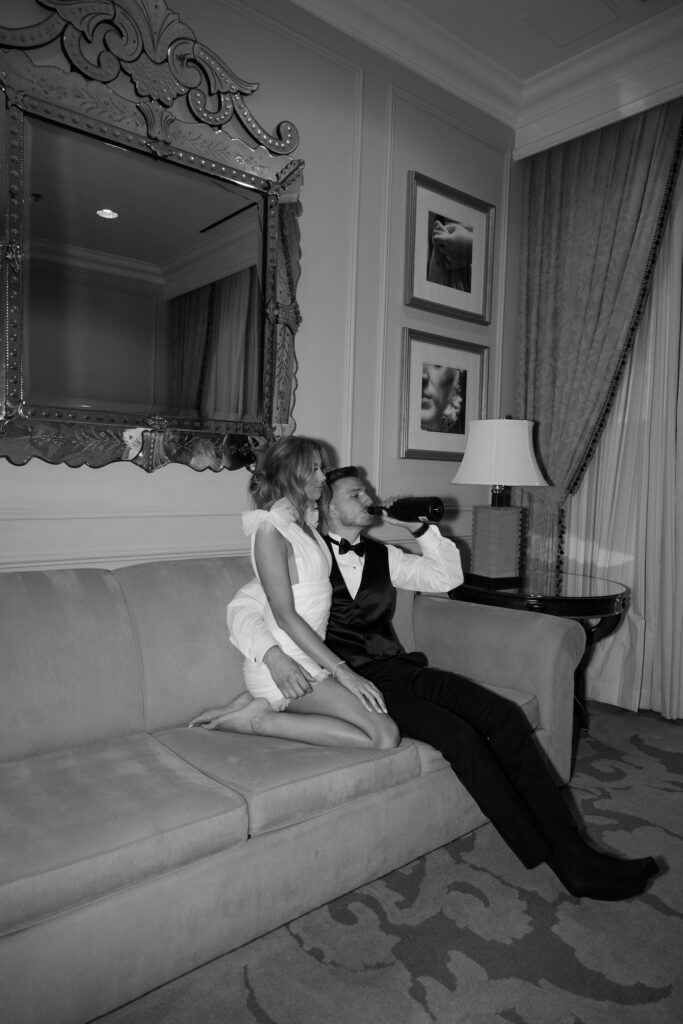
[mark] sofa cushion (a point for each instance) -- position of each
(284, 782)
(83, 822)
(178, 611)
(69, 668)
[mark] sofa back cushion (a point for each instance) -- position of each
(69, 664)
(178, 611)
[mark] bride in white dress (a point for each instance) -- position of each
(292, 564)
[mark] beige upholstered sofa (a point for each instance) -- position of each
(133, 849)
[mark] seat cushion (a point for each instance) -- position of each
(79, 823)
(284, 782)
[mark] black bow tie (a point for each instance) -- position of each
(345, 547)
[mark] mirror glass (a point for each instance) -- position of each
(143, 283)
(150, 253)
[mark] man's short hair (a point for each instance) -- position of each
(336, 474)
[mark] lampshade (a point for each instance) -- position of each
(500, 452)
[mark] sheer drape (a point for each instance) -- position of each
(625, 522)
(232, 379)
(188, 319)
(215, 361)
(594, 212)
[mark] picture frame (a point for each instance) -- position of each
(445, 385)
(450, 272)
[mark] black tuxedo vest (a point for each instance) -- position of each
(359, 629)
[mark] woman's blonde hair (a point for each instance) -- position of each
(284, 471)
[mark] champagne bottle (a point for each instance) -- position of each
(411, 509)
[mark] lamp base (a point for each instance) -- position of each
(496, 544)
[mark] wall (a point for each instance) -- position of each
(364, 123)
(106, 325)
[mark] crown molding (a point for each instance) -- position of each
(637, 70)
(424, 48)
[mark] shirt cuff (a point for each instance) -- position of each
(259, 647)
(430, 540)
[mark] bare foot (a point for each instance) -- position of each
(242, 718)
(207, 717)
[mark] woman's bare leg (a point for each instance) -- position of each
(332, 706)
(329, 716)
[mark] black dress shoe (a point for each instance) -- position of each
(596, 885)
(586, 872)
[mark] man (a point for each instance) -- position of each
(485, 738)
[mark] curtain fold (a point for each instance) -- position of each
(232, 381)
(624, 522)
(215, 361)
(189, 317)
(594, 212)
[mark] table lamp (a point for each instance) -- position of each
(499, 453)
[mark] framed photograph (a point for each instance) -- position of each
(449, 252)
(445, 386)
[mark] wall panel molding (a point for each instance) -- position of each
(439, 57)
(637, 70)
(114, 559)
(350, 326)
(17, 514)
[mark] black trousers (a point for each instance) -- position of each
(489, 744)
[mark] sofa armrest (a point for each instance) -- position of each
(523, 650)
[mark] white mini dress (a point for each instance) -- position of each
(312, 593)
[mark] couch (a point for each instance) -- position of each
(133, 849)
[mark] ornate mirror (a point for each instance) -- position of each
(150, 256)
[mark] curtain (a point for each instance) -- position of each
(215, 363)
(625, 521)
(232, 379)
(594, 211)
(189, 316)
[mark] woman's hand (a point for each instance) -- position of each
(366, 692)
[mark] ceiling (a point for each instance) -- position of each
(549, 69)
(71, 175)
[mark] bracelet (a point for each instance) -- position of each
(333, 670)
(422, 530)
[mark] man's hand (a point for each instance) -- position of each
(386, 518)
(290, 678)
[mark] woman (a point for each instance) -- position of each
(442, 399)
(292, 563)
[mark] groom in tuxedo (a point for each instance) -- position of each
(486, 738)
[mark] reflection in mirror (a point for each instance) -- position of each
(163, 330)
(143, 283)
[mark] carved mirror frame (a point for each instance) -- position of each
(132, 73)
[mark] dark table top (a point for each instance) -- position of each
(566, 594)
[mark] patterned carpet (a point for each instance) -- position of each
(466, 935)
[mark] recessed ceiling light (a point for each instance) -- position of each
(107, 214)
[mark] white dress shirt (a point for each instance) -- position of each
(436, 570)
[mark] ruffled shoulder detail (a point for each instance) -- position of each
(281, 516)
